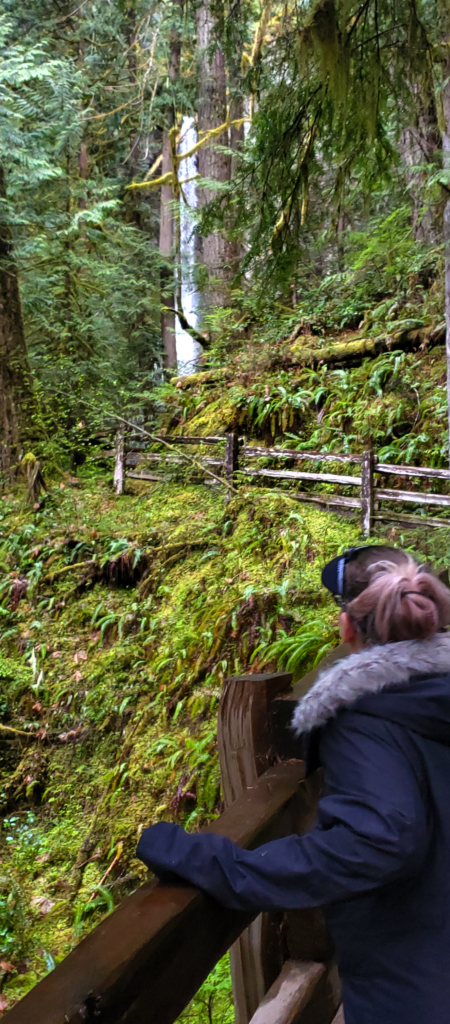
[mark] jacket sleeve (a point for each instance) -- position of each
(371, 830)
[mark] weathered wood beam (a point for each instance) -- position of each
(328, 500)
(147, 959)
(419, 471)
(231, 461)
(179, 439)
(339, 1018)
(408, 520)
(291, 474)
(146, 476)
(254, 451)
(244, 743)
(119, 460)
(367, 490)
(290, 993)
(416, 497)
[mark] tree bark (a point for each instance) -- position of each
(133, 161)
(16, 396)
(418, 147)
(167, 220)
(216, 252)
(235, 79)
(166, 248)
(237, 134)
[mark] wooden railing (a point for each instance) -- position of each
(146, 960)
(234, 464)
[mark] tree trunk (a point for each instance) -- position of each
(237, 134)
(16, 399)
(446, 160)
(340, 227)
(235, 79)
(133, 160)
(212, 163)
(166, 248)
(418, 146)
(167, 220)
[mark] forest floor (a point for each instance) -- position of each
(120, 618)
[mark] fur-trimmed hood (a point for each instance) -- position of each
(368, 673)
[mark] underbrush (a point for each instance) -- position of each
(397, 403)
(121, 617)
(110, 683)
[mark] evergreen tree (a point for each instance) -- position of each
(16, 400)
(348, 108)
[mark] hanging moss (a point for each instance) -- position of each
(323, 33)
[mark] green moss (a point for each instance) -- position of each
(215, 418)
(119, 692)
(116, 678)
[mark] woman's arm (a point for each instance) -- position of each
(371, 829)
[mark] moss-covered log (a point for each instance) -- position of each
(351, 353)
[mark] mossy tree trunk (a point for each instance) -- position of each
(213, 162)
(167, 219)
(237, 133)
(16, 399)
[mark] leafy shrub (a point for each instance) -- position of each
(13, 919)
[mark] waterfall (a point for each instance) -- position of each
(188, 350)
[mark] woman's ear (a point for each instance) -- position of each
(349, 633)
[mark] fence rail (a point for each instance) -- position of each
(234, 464)
(146, 960)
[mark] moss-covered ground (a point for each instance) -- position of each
(120, 618)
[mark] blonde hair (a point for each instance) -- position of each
(401, 600)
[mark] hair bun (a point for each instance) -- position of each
(403, 601)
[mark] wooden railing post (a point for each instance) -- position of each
(146, 961)
(244, 742)
(367, 494)
(231, 461)
(248, 745)
(119, 460)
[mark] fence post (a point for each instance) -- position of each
(231, 461)
(119, 460)
(367, 463)
(244, 743)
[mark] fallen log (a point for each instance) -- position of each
(353, 352)
(347, 353)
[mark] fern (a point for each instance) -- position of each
(301, 650)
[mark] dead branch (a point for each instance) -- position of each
(196, 335)
(17, 732)
(66, 568)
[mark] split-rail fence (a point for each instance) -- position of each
(235, 463)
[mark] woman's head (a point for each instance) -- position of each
(387, 596)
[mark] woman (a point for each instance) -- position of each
(378, 860)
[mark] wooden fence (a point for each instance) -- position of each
(146, 960)
(234, 464)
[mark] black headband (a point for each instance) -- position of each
(333, 573)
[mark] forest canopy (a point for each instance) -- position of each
(320, 180)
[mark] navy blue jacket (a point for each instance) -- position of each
(378, 859)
